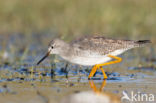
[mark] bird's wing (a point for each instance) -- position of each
(101, 45)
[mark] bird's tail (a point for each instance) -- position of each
(141, 43)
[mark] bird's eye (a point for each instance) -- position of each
(52, 47)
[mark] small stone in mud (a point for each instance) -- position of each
(58, 90)
(76, 91)
(53, 81)
(20, 82)
(21, 78)
(5, 86)
(44, 74)
(10, 79)
(120, 86)
(32, 84)
(132, 75)
(71, 84)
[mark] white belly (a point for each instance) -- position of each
(90, 61)
(93, 59)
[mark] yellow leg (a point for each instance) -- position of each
(104, 74)
(118, 59)
(92, 71)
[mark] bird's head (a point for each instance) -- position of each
(55, 47)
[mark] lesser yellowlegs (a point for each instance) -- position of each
(91, 51)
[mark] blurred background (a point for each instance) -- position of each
(69, 18)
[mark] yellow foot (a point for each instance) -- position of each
(99, 66)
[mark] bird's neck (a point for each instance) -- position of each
(64, 49)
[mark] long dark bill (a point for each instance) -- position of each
(43, 58)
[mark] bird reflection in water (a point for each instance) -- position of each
(93, 86)
(94, 96)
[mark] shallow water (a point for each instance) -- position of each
(30, 84)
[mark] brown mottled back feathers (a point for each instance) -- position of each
(104, 45)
